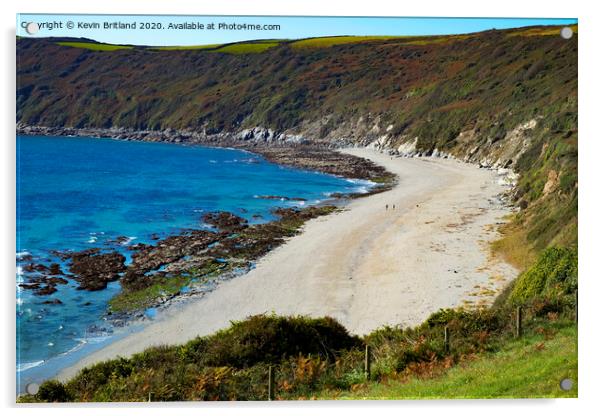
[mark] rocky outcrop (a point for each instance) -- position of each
(95, 270)
(43, 279)
(150, 258)
(225, 221)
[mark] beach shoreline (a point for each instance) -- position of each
(389, 259)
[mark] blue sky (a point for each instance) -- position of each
(290, 27)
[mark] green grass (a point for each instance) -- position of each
(242, 48)
(95, 46)
(529, 367)
(541, 31)
(324, 42)
(429, 40)
(186, 47)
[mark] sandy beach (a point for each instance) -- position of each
(366, 266)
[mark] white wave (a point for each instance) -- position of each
(92, 340)
(21, 254)
(72, 350)
(27, 366)
(128, 240)
(354, 180)
(19, 301)
(92, 239)
(19, 277)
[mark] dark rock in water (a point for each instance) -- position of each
(93, 271)
(30, 285)
(121, 240)
(225, 221)
(55, 269)
(66, 255)
(56, 281)
(154, 236)
(32, 267)
(52, 302)
(46, 290)
(63, 255)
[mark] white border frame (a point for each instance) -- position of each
(590, 37)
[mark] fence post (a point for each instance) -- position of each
(270, 383)
(519, 321)
(367, 362)
(446, 339)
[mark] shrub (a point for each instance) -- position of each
(53, 391)
(554, 274)
(268, 339)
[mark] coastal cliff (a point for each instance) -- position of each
(501, 98)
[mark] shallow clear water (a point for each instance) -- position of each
(78, 193)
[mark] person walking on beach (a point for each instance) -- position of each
(386, 207)
(393, 206)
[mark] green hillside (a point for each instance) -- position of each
(530, 367)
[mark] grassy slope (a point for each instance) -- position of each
(234, 48)
(243, 48)
(94, 46)
(529, 367)
(186, 48)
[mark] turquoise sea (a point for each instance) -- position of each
(75, 193)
